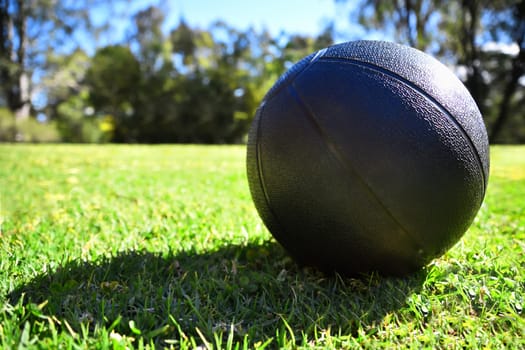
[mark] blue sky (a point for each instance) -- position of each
(292, 16)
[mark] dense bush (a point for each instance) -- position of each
(26, 129)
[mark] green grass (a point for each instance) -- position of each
(160, 246)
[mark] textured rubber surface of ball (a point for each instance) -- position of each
(368, 155)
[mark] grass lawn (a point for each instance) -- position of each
(160, 246)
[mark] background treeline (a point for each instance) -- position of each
(202, 85)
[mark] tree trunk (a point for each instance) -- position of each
(508, 93)
(469, 27)
(518, 68)
(5, 52)
(14, 79)
(24, 103)
(23, 79)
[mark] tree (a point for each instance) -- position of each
(512, 27)
(457, 32)
(29, 30)
(492, 76)
(461, 26)
(13, 43)
(65, 77)
(149, 39)
(411, 21)
(112, 80)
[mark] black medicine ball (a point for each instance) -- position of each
(368, 156)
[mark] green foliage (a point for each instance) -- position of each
(409, 21)
(76, 126)
(30, 31)
(191, 86)
(160, 246)
(112, 79)
(25, 129)
(66, 74)
(7, 126)
(68, 103)
(30, 130)
(184, 41)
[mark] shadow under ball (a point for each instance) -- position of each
(368, 156)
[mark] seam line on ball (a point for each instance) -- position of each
(260, 170)
(345, 162)
(284, 80)
(427, 96)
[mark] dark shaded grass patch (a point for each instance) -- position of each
(251, 290)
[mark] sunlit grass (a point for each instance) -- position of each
(136, 246)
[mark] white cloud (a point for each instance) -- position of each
(507, 49)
